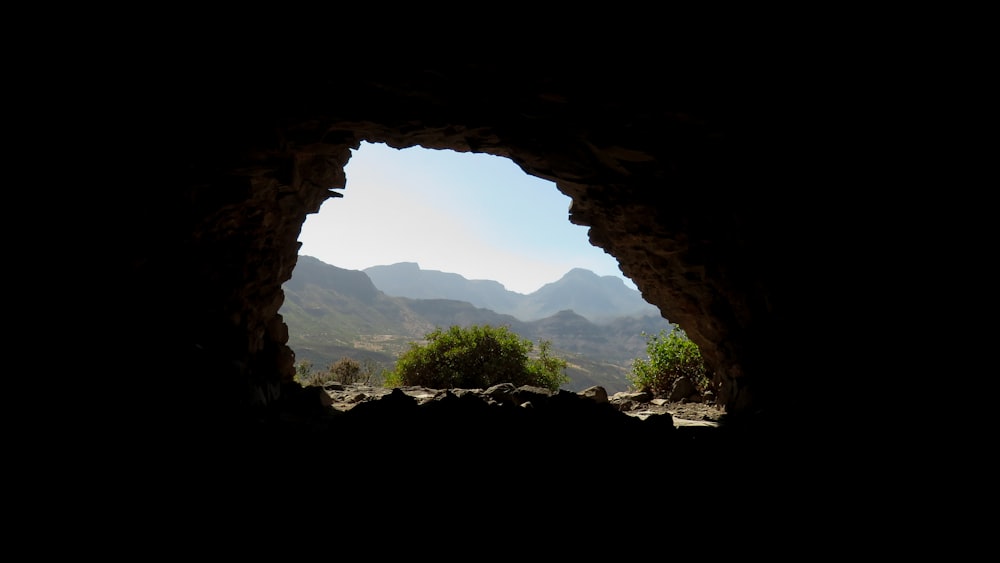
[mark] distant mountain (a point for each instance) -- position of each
(332, 313)
(597, 298)
(406, 279)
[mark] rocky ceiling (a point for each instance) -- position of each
(690, 179)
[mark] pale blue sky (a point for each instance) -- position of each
(476, 215)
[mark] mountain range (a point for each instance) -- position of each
(598, 298)
(596, 323)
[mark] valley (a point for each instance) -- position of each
(333, 313)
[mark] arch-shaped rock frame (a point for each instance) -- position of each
(689, 185)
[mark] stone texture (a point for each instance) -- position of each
(692, 187)
(344, 397)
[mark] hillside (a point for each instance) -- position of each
(597, 298)
(332, 313)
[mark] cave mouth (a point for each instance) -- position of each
(213, 180)
(226, 190)
(482, 210)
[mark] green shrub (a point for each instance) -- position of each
(304, 374)
(672, 356)
(345, 370)
(477, 357)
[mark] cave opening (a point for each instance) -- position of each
(438, 224)
(213, 216)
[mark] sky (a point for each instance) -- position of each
(476, 215)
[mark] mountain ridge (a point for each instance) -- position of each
(598, 298)
(333, 312)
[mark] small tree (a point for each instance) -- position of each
(352, 372)
(303, 373)
(346, 370)
(477, 357)
(672, 356)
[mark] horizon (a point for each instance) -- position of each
(476, 215)
(422, 269)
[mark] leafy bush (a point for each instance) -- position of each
(672, 356)
(304, 373)
(477, 357)
(345, 370)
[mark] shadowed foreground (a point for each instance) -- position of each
(466, 440)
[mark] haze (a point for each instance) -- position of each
(476, 215)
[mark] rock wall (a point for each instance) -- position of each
(688, 183)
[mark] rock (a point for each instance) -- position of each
(345, 398)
